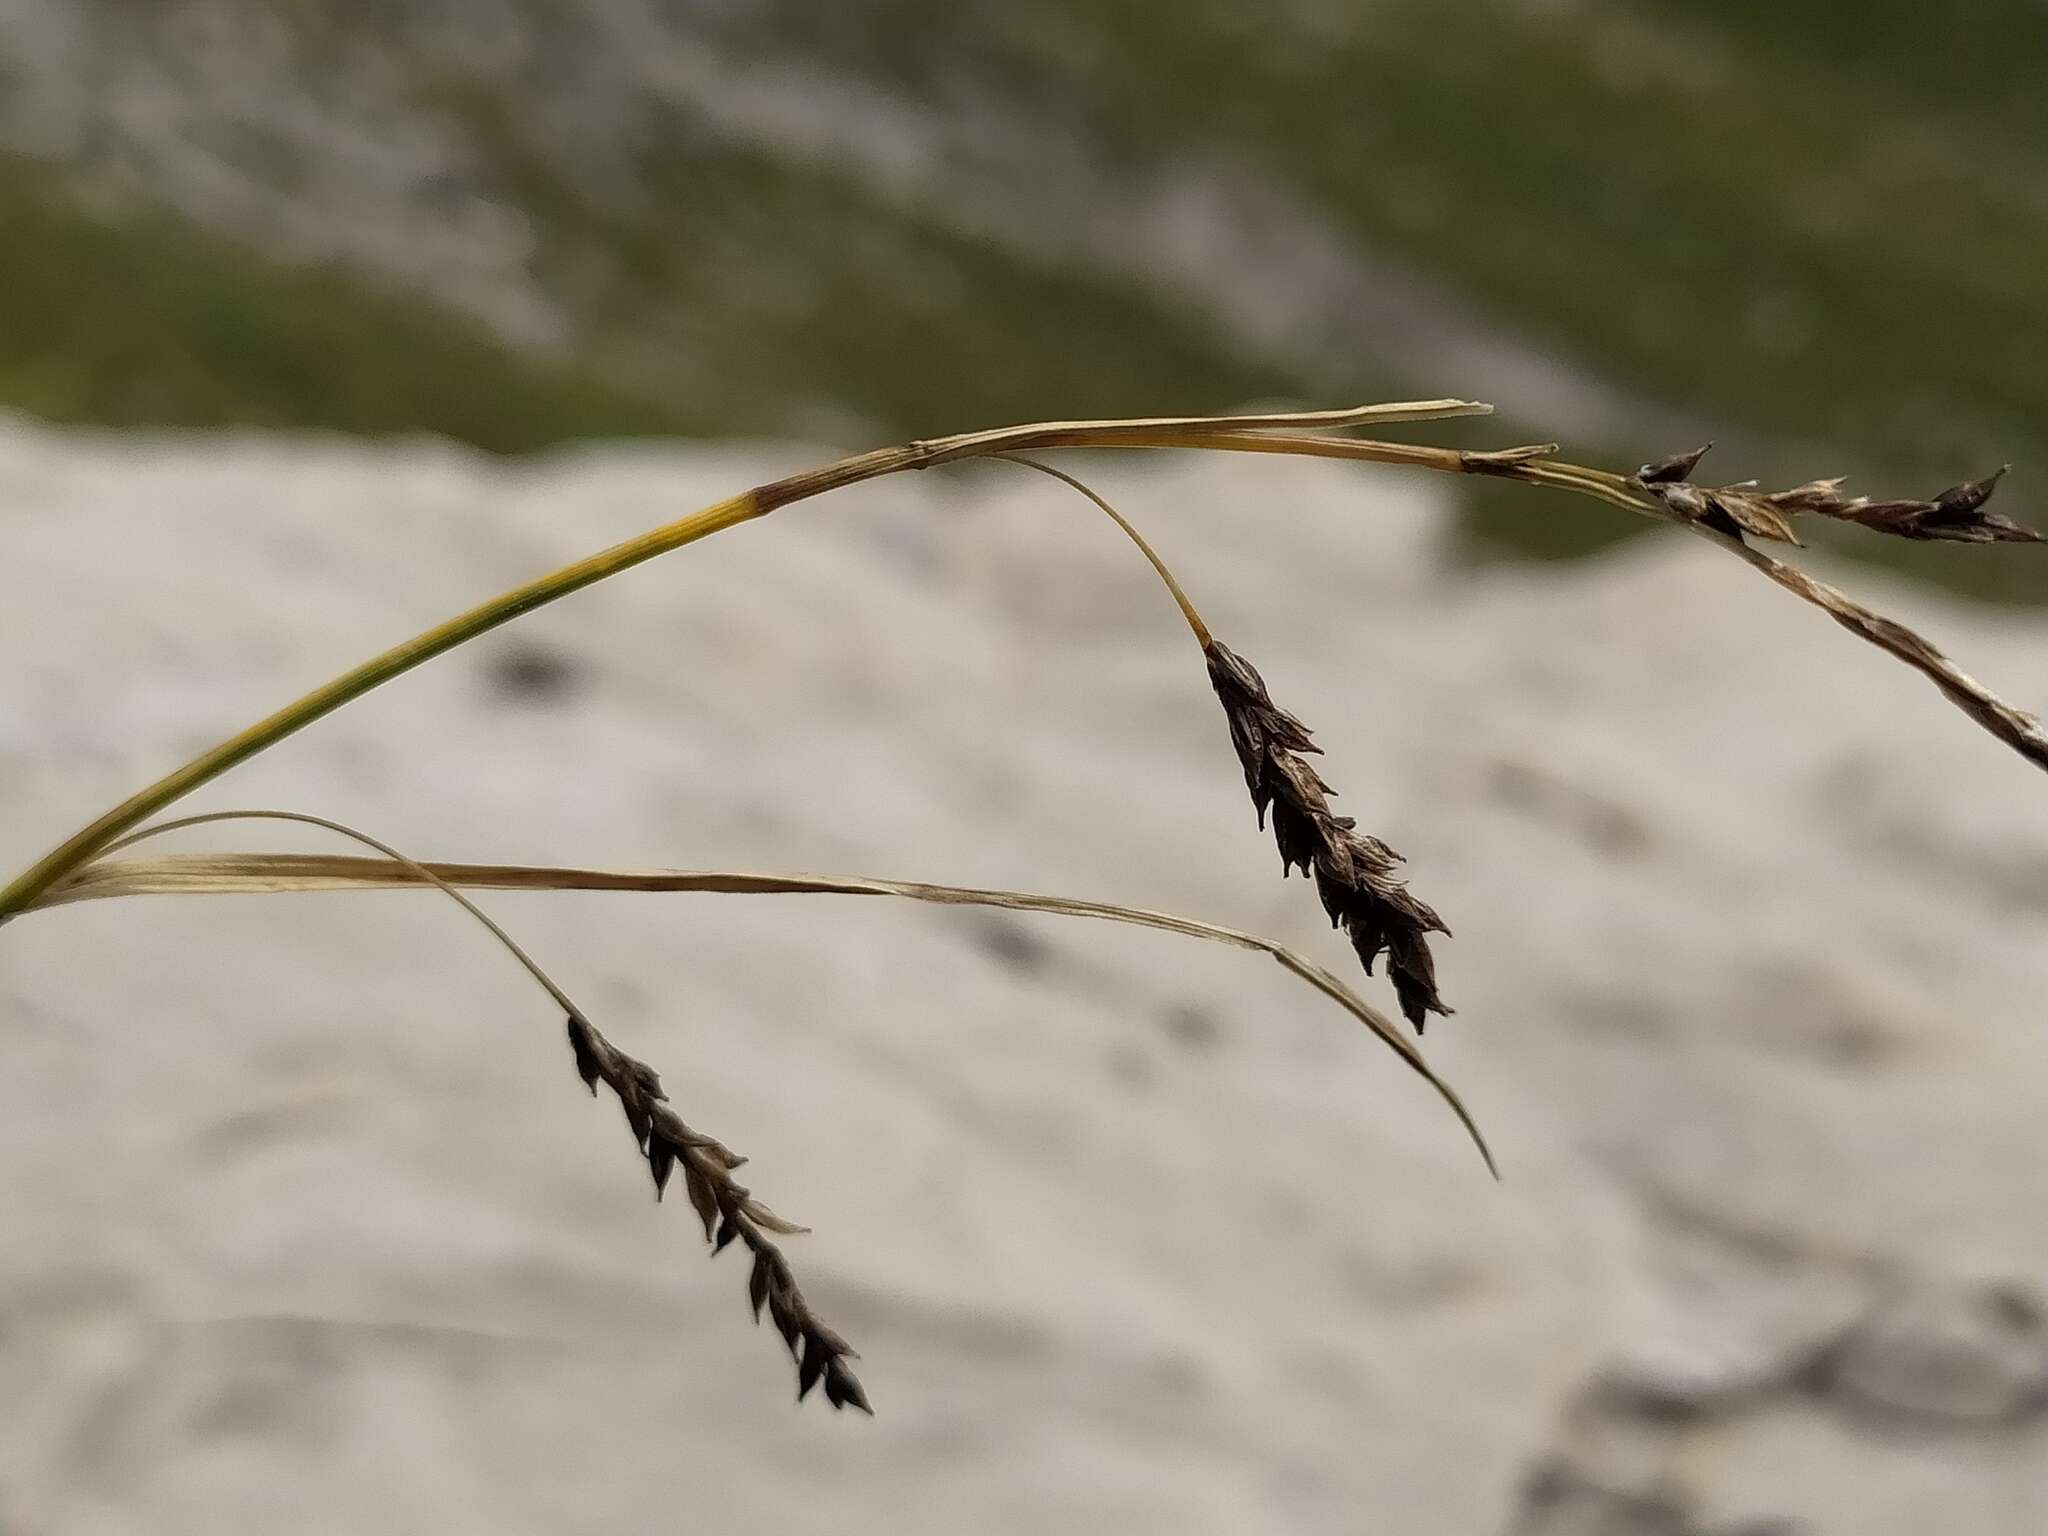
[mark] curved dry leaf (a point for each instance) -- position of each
(275, 873)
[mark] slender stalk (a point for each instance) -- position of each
(1273, 433)
(1148, 432)
(272, 874)
(2017, 728)
(1187, 607)
(358, 681)
(414, 873)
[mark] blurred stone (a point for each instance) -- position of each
(1961, 1356)
(304, 1207)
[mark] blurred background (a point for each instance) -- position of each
(319, 320)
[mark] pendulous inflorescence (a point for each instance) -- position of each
(727, 1208)
(1354, 872)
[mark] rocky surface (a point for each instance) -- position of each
(309, 1225)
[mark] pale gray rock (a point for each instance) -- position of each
(308, 1223)
(1960, 1356)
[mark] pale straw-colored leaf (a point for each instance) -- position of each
(269, 873)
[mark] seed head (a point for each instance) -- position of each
(1957, 515)
(1354, 872)
(727, 1208)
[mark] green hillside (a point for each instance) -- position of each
(1816, 230)
(150, 321)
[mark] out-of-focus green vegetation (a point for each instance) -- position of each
(760, 292)
(150, 321)
(763, 297)
(1819, 226)
(1818, 229)
(1822, 219)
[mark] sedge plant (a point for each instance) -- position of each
(1359, 879)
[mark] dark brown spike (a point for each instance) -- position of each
(1413, 972)
(1970, 496)
(782, 1311)
(661, 1161)
(843, 1389)
(583, 1040)
(702, 1197)
(637, 1120)
(811, 1367)
(1298, 835)
(1676, 468)
(645, 1080)
(1353, 872)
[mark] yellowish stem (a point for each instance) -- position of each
(353, 684)
(82, 845)
(1180, 597)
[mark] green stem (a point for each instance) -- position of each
(353, 684)
(1241, 434)
(82, 845)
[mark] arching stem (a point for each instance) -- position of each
(412, 867)
(1149, 432)
(1187, 608)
